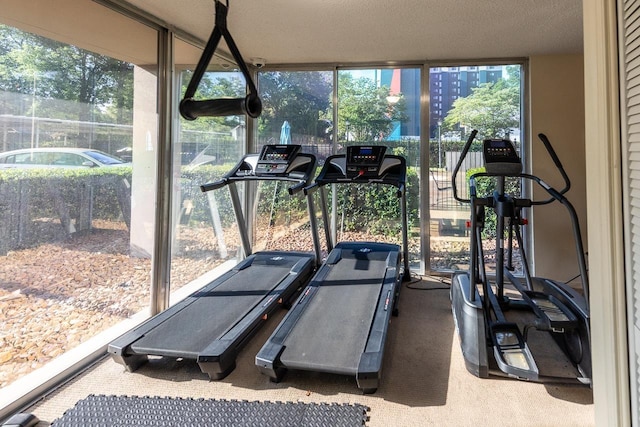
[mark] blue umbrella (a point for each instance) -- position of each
(285, 133)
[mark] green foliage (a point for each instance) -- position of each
(190, 181)
(39, 185)
(364, 114)
(276, 204)
(302, 98)
(376, 208)
(50, 70)
(492, 108)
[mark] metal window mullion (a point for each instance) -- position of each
(424, 196)
(334, 150)
(161, 258)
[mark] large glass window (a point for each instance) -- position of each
(204, 231)
(375, 106)
(380, 107)
(76, 231)
(486, 98)
(297, 109)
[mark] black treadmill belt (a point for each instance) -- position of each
(331, 334)
(213, 312)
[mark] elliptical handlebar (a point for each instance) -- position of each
(556, 195)
(556, 160)
(463, 154)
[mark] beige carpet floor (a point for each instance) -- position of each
(425, 382)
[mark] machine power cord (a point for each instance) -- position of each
(417, 279)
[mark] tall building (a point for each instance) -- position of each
(446, 84)
(407, 82)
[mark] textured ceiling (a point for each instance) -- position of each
(362, 31)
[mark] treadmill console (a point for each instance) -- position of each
(501, 158)
(275, 159)
(364, 161)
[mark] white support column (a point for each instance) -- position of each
(145, 143)
(605, 226)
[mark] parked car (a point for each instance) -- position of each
(57, 157)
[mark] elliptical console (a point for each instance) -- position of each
(500, 157)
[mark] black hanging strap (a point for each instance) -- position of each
(251, 105)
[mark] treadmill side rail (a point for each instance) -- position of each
(219, 358)
(370, 367)
(268, 358)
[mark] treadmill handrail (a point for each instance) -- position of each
(386, 178)
(214, 185)
(301, 179)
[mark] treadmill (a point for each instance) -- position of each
(339, 323)
(213, 324)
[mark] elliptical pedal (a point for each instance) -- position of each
(551, 313)
(511, 351)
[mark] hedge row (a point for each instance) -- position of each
(78, 196)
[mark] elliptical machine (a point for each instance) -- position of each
(525, 327)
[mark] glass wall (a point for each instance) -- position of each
(77, 210)
(375, 106)
(204, 234)
(297, 109)
(380, 106)
(78, 234)
(486, 98)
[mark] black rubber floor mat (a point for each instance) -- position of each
(125, 411)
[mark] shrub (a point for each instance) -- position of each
(376, 208)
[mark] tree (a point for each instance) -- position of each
(301, 98)
(364, 114)
(100, 87)
(492, 108)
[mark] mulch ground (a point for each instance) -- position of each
(57, 295)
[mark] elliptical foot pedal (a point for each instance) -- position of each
(512, 353)
(552, 314)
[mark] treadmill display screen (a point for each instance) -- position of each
(364, 160)
(365, 155)
(278, 153)
(274, 159)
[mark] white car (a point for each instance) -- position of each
(57, 157)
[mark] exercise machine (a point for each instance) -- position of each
(524, 327)
(213, 324)
(339, 323)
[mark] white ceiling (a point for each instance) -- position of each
(362, 31)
